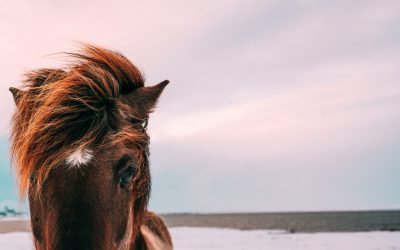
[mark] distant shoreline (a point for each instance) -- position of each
(290, 222)
(14, 225)
(285, 212)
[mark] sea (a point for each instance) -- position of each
(293, 222)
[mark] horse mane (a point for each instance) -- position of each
(65, 109)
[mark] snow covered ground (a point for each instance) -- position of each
(16, 240)
(212, 239)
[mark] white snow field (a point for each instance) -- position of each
(186, 238)
(211, 238)
(16, 240)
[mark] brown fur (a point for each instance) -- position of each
(156, 225)
(83, 96)
(99, 103)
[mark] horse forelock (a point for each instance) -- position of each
(65, 113)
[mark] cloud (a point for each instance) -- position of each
(269, 101)
(294, 115)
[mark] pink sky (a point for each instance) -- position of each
(273, 105)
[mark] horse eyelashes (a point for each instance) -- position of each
(138, 122)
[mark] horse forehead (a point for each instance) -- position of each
(80, 157)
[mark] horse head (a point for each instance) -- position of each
(80, 147)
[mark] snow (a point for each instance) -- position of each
(186, 238)
(211, 238)
(16, 241)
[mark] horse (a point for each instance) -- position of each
(81, 152)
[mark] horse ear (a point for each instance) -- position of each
(144, 99)
(17, 94)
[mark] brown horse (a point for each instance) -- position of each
(80, 147)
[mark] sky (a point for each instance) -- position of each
(272, 105)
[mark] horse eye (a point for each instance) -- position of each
(127, 176)
(142, 123)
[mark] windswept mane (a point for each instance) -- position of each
(62, 110)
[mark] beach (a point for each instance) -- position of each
(9, 225)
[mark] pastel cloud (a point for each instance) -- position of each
(282, 98)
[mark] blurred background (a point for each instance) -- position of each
(272, 106)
